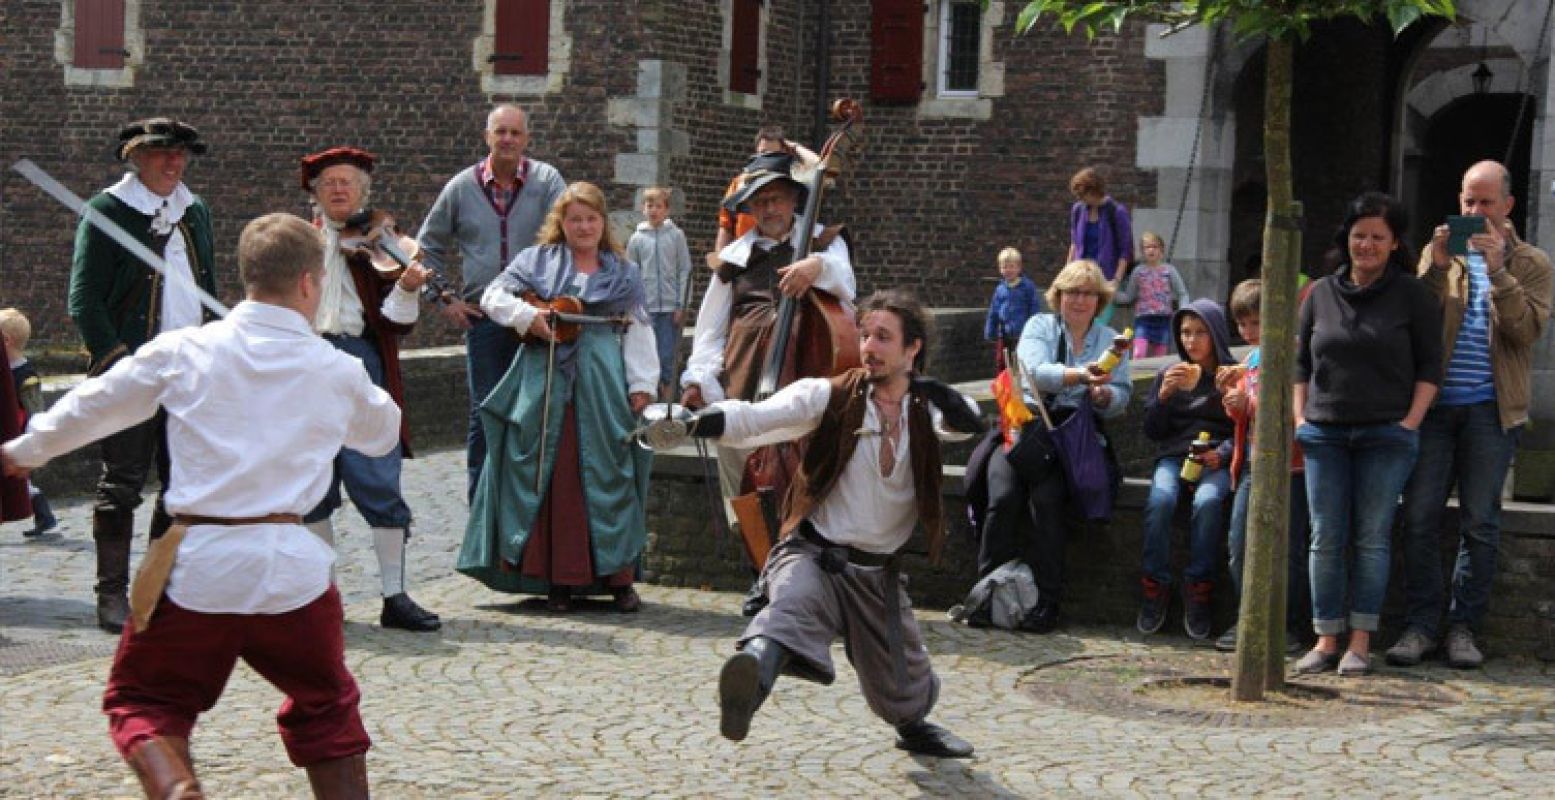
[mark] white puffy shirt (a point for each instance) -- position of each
(258, 406)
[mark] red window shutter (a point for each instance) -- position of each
(896, 51)
(99, 34)
(523, 35)
(745, 47)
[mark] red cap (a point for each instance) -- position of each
(314, 164)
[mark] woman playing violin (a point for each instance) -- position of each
(364, 314)
(559, 508)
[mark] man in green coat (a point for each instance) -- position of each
(119, 303)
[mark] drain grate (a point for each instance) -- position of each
(19, 657)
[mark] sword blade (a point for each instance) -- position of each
(57, 190)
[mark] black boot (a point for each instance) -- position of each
(925, 738)
(755, 599)
(112, 531)
(43, 519)
(745, 682)
(399, 611)
(1043, 617)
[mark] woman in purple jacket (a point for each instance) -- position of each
(1099, 230)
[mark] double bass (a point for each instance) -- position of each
(815, 337)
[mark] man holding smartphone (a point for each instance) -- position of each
(1495, 303)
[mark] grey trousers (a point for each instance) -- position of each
(810, 608)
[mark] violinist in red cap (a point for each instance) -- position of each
(363, 311)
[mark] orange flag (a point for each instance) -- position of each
(1013, 413)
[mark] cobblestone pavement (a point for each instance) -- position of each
(509, 701)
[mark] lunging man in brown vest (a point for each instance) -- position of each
(870, 474)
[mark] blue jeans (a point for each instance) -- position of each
(1354, 476)
(373, 482)
(1205, 530)
(1463, 445)
(1297, 605)
(489, 349)
(664, 335)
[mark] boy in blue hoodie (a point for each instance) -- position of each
(1183, 403)
(1015, 300)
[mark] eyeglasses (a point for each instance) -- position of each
(337, 183)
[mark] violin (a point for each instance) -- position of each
(373, 235)
(556, 313)
(564, 314)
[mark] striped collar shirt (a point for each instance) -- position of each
(1469, 379)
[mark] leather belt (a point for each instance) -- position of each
(200, 519)
(862, 558)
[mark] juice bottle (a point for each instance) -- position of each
(1114, 355)
(1193, 465)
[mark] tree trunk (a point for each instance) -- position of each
(1260, 656)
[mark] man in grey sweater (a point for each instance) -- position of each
(489, 212)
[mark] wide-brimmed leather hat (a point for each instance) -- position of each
(764, 169)
(316, 163)
(158, 132)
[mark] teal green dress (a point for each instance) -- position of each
(590, 380)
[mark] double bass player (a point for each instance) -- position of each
(739, 309)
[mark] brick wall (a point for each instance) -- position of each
(931, 202)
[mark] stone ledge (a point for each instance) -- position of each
(1102, 581)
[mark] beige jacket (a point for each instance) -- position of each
(1520, 296)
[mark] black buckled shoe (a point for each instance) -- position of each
(1043, 618)
(746, 680)
(927, 739)
(399, 611)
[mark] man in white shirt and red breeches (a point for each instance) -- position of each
(257, 406)
(870, 473)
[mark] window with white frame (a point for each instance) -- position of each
(960, 37)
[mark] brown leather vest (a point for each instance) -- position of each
(753, 296)
(831, 446)
(753, 305)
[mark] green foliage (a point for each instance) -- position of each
(1275, 19)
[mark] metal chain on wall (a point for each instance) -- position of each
(1525, 99)
(1198, 134)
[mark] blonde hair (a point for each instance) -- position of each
(1008, 254)
(15, 327)
(659, 193)
(588, 194)
(275, 250)
(1151, 236)
(1082, 274)
(1245, 299)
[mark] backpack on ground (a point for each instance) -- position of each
(1003, 598)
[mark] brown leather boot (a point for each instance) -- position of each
(340, 778)
(112, 531)
(162, 763)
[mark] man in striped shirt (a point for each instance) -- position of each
(1495, 303)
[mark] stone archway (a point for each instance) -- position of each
(1165, 142)
(1509, 36)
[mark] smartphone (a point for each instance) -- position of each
(1459, 228)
